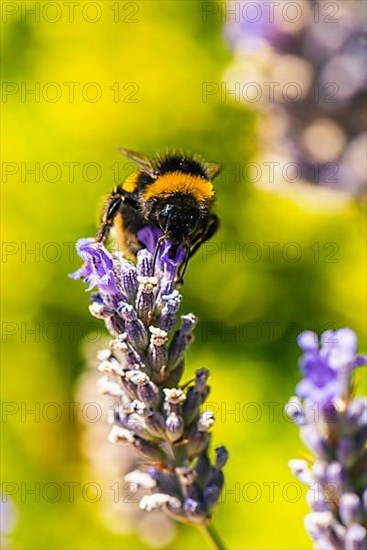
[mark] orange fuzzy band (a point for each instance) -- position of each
(131, 182)
(177, 182)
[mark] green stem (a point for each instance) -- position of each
(214, 537)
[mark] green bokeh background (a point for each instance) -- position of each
(168, 53)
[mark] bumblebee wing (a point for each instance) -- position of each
(142, 161)
(213, 169)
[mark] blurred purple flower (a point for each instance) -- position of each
(322, 124)
(327, 369)
(337, 439)
(254, 22)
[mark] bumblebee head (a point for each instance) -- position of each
(178, 222)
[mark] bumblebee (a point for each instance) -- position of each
(173, 193)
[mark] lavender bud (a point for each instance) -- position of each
(167, 319)
(194, 510)
(135, 329)
(173, 396)
(115, 324)
(347, 451)
(157, 349)
(100, 311)
(213, 487)
(145, 263)
(201, 378)
(111, 367)
(319, 471)
(330, 414)
(301, 471)
(181, 340)
(196, 395)
(350, 509)
(129, 388)
(211, 495)
(129, 279)
(140, 479)
(221, 457)
(188, 323)
(189, 485)
(131, 422)
(145, 298)
(174, 376)
(356, 538)
(308, 341)
(186, 475)
(197, 442)
(364, 503)
(123, 350)
(149, 450)
(356, 414)
(206, 421)
(147, 391)
(335, 474)
(314, 441)
(337, 534)
(191, 405)
(154, 422)
(104, 355)
(316, 501)
(295, 411)
(202, 467)
(120, 435)
(108, 387)
(166, 483)
(134, 406)
(157, 500)
(174, 426)
(317, 524)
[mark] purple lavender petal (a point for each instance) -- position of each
(149, 236)
(327, 371)
(360, 360)
(308, 341)
(98, 268)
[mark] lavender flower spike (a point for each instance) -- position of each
(334, 427)
(155, 412)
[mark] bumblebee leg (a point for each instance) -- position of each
(182, 268)
(158, 245)
(210, 229)
(117, 197)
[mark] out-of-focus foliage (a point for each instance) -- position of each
(250, 304)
